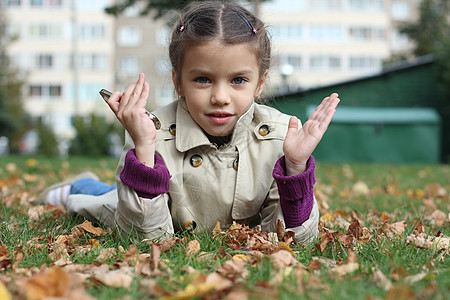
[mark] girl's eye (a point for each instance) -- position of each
(202, 80)
(239, 80)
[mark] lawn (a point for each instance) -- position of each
(383, 234)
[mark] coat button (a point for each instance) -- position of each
(236, 163)
(264, 130)
(196, 160)
(173, 129)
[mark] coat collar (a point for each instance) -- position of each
(190, 135)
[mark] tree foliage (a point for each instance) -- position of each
(431, 35)
(159, 8)
(13, 119)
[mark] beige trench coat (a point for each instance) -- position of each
(208, 184)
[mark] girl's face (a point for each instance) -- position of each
(219, 84)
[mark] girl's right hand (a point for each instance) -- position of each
(129, 108)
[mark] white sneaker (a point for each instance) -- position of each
(56, 193)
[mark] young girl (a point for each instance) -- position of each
(218, 156)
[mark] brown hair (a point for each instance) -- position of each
(226, 21)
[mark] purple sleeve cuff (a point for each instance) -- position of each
(296, 192)
(147, 182)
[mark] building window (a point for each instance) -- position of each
(365, 63)
(44, 61)
(46, 3)
(10, 3)
(91, 61)
(129, 36)
(285, 6)
(399, 10)
(326, 33)
(89, 5)
(165, 96)
(129, 65)
(367, 34)
(324, 63)
(45, 91)
(367, 5)
(325, 5)
(92, 32)
(288, 32)
(46, 31)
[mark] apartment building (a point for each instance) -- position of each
(63, 44)
(142, 46)
(318, 42)
(66, 50)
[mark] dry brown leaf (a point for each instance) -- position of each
(401, 292)
(167, 244)
(381, 280)
(314, 265)
(220, 282)
(282, 259)
(88, 227)
(280, 230)
(117, 279)
(361, 188)
(53, 282)
(105, 254)
(355, 230)
(5, 261)
(233, 269)
(192, 247)
(345, 269)
(216, 229)
(156, 254)
(152, 288)
(438, 218)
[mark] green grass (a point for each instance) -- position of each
(409, 193)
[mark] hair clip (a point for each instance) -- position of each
(181, 28)
(249, 24)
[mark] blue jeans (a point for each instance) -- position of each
(89, 186)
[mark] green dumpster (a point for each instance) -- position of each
(382, 135)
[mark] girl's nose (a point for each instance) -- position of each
(220, 95)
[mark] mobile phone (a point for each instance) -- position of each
(106, 94)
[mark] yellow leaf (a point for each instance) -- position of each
(192, 291)
(32, 162)
(4, 294)
(241, 257)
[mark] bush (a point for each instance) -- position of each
(48, 143)
(92, 136)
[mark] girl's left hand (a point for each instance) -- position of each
(300, 144)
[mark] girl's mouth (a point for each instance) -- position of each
(219, 117)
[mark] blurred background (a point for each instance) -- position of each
(388, 59)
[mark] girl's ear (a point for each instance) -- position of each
(176, 84)
(261, 84)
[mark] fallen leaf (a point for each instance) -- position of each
(381, 280)
(117, 279)
(53, 282)
(361, 188)
(314, 265)
(345, 269)
(438, 218)
(233, 269)
(4, 294)
(282, 259)
(156, 253)
(88, 227)
(401, 292)
(192, 247)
